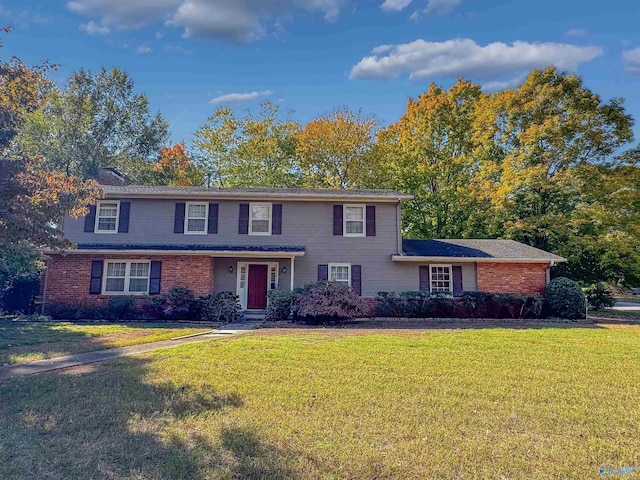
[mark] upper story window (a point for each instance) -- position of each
(440, 278)
(195, 219)
(107, 214)
(354, 220)
(260, 219)
(126, 277)
(340, 273)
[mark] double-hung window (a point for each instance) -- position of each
(195, 220)
(440, 278)
(340, 273)
(260, 219)
(126, 277)
(107, 214)
(354, 220)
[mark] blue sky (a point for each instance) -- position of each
(312, 56)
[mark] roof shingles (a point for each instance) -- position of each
(476, 248)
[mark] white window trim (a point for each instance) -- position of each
(348, 265)
(186, 218)
(127, 276)
(260, 204)
(95, 227)
(448, 265)
(364, 220)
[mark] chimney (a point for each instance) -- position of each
(110, 176)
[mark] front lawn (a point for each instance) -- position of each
(545, 402)
(25, 342)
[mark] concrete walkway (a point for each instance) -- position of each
(627, 307)
(41, 366)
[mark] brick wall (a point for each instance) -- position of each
(522, 278)
(68, 276)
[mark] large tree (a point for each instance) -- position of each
(249, 151)
(96, 121)
(430, 151)
(337, 151)
(530, 139)
(174, 166)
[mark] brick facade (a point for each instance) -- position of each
(521, 278)
(68, 276)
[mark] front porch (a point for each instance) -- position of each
(251, 277)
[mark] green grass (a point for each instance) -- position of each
(539, 402)
(629, 298)
(26, 342)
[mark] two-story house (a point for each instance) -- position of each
(144, 240)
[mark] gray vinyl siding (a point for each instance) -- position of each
(308, 224)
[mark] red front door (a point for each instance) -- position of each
(257, 294)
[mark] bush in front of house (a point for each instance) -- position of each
(564, 298)
(121, 308)
(279, 305)
(180, 304)
(465, 305)
(220, 307)
(599, 297)
(19, 294)
(330, 302)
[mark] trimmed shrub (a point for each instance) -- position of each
(327, 302)
(279, 305)
(20, 293)
(34, 317)
(121, 308)
(61, 311)
(220, 307)
(599, 297)
(181, 304)
(153, 307)
(564, 298)
(467, 305)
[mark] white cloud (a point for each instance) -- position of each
(576, 32)
(239, 97)
(228, 20)
(464, 57)
(501, 85)
(92, 28)
(123, 14)
(395, 5)
(144, 49)
(442, 6)
(631, 60)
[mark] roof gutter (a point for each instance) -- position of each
(412, 258)
(257, 196)
(213, 253)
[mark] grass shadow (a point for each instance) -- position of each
(118, 422)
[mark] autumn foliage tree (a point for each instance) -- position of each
(174, 166)
(337, 151)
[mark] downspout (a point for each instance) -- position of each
(399, 226)
(44, 290)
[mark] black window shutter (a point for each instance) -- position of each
(95, 285)
(123, 222)
(356, 278)
(212, 227)
(323, 273)
(424, 278)
(337, 219)
(371, 221)
(154, 277)
(276, 219)
(457, 279)
(178, 222)
(243, 219)
(90, 219)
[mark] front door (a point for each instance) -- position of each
(257, 291)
